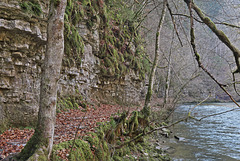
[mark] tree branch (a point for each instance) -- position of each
(219, 23)
(174, 24)
(220, 113)
(160, 67)
(197, 56)
(220, 34)
(189, 113)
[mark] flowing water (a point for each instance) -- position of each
(215, 138)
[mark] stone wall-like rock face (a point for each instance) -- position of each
(22, 47)
(22, 40)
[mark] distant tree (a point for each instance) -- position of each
(40, 145)
(168, 79)
(146, 108)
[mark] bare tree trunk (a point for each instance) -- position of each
(146, 109)
(167, 81)
(168, 78)
(40, 145)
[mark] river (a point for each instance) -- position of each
(215, 138)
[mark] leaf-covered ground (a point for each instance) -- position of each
(67, 124)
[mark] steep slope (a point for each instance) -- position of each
(104, 59)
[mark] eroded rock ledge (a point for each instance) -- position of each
(22, 47)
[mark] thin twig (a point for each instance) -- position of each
(175, 100)
(174, 24)
(146, 14)
(189, 113)
(215, 114)
(220, 113)
(160, 67)
(75, 137)
(219, 23)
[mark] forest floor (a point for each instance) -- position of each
(68, 123)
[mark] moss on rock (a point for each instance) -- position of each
(71, 102)
(31, 7)
(81, 151)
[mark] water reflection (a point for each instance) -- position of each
(212, 139)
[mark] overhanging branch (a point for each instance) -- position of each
(197, 56)
(218, 23)
(219, 33)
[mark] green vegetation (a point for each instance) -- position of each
(81, 152)
(121, 46)
(31, 7)
(100, 145)
(72, 40)
(70, 102)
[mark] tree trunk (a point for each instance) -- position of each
(146, 109)
(167, 81)
(40, 145)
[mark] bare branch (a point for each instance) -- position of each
(234, 84)
(174, 24)
(220, 113)
(227, 24)
(146, 14)
(160, 67)
(189, 113)
(219, 23)
(175, 100)
(197, 56)
(220, 34)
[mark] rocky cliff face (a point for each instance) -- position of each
(22, 47)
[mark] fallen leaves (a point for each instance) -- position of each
(13, 140)
(67, 124)
(63, 153)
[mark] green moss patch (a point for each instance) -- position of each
(102, 144)
(81, 151)
(31, 7)
(121, 46)
(90, 148)
(71, 102)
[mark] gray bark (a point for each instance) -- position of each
(168, 81)
(40, 145)
(146, 108)
(51, 71)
